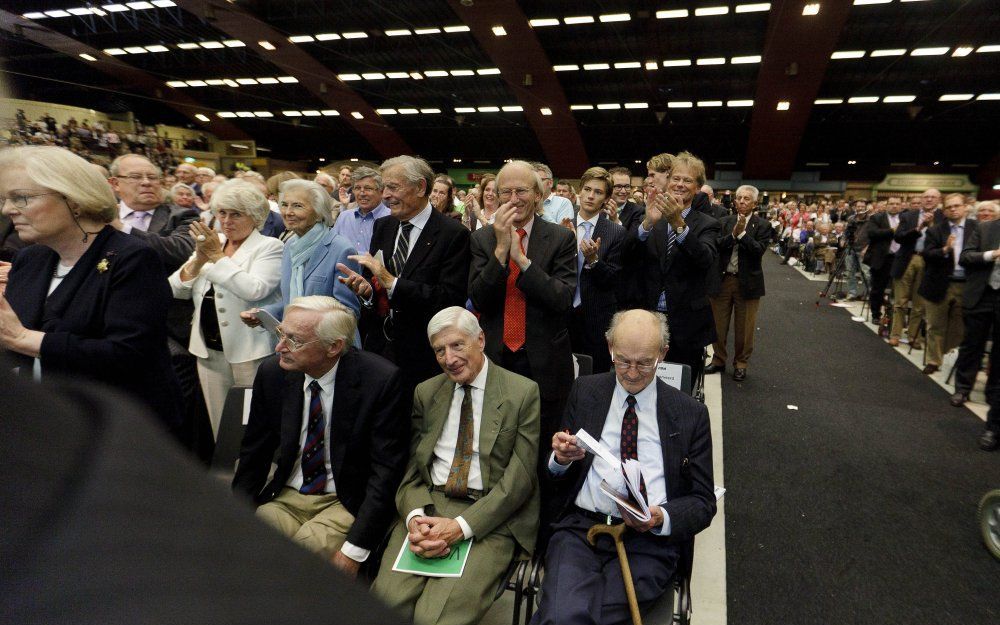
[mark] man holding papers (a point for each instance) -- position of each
(629, 416)
(471, 476)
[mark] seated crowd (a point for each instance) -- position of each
(412, 357)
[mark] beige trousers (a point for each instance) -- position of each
(944, 324)
(217, 376)
(319, 523)
(730, 304)
(904, 293)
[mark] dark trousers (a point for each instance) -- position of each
(582, 339)
(583, 584)
(881, 278)
(981, 323)
(693, 356)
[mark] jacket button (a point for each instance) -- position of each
(222, 310)
(218, 296)
(223, 323)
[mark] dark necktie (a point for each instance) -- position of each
(630, 437)
(514, 305)
(671, 240)
(402, 247)
(313, 456)
(458, 478)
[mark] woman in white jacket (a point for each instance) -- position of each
(230, 271)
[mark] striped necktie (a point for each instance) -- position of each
(402, 247)
(313, 451)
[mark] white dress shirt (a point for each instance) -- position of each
(893, 223)
(591, 497)
(419, 222)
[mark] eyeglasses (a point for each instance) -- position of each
(521, 193)
(21, 201)
(622, 187)
(138, 178)
(293, 345)
(624, 365)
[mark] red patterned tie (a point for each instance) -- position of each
(514, 305)
(630, 437)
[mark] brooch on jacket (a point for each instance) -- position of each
(104, 264)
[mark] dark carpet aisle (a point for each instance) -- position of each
(859, 507)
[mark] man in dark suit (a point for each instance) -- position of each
(908, 272)
(598, 264)
(629, 214)
(330, 417)
(634, 416)
(881, 252)
(522, 283)
(680, 256)
(424, 267)
(944, 279)
(741, 281)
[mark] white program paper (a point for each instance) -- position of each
(267, 320)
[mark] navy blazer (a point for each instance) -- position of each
(369, 439)
(750, 249)
(685, 439)
(106, 321)
(906, 235)
(939, 259)
(599, 283)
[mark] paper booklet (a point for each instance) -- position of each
(452, 565)
(267, 320)
(630, 474)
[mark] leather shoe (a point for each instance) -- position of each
(989, 441)
(739, 374)
(714, 368)
(958, 399)
(894, 342)
(929, 369)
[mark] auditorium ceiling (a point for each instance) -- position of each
(852, 90)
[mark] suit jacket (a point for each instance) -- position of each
(906, 235)
(274, 226)
(10, 243)
(108, 326)
(879, 235)
(168, 234)
(685, 439)
(508, 454)
(978, 241)
(750, 249)
(685, 275)
(631, 214)
(939, 260)
(434, 277)
(702, 204)
(548, 286)
(599, 283)
(629, 290)
(368, 439)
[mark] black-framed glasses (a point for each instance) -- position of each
(293, 345)
(622, 187)
(20, 200)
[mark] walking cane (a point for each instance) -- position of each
(616, 531)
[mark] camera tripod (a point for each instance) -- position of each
(837, 276)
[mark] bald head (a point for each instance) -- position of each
(638, 341)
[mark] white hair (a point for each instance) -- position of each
(453, 317)
(180, 185)
(414, 170)
(336, 324)
(360, 173)
(242, 197)
(326, 177)
(318, 196)
(206, 171)
(58, 169)
(660, 318)
(749, 188)
(116, 164)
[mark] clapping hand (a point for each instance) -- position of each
(590, 248)
(206, 243)
(503, 224)
(741, 226)
(354, 281)
(611, 210)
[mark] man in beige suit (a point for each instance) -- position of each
(471, 475)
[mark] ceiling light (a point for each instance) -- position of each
(545, 111)
(288, 79)
(291, 113)
(397, 75)
(783, 105)
(581, 107)
(889, 52)
(962, 51)
(34, 16)
(139, 6)
(739, 103)
(596, 66)
(615, 17)
(829, 101)
(652, 65)
(386, 111)
(955, 97)
(580, 19)
(211, 45)
(399, 32)
(706, 11)
(87, 57)
(197, 83)
(465, 109)
(187, 46)
(230, 82)
(499, 31)
(176, 84)
(930, 51)
(348, 77)
(114, 51)
(712, 61)
(709, 103)
(327, 37)
(430, 111)
(610, 106)
(163, 4)
(356, 35)
(565, 68)
(373, 76)
(59, 13)
(408, 111)
(671, 14)
(489, 71)
(743, 60)
(512, 109)
(457, 29)
(992, 48)
(547, 21)
(637, 105)
(848, 54)
(898, 99)
(863, 2)
(234, 43)
(989, 96)
(267, 81)
(862, 100)
(680, 105)
(301, 38)
(329, 113)
(759, 6)
(628, 65)
(462, 72)
(852, 162)
(115, 8)
(488, 109)
(311, 113)
(225, 114)
(246, 81)
(416, 76)
(427, 31)
(244, 114)
(157, 48)
(809, 9)
(215, 82)
(436, 73)
(80, 11)
(203, 118)
(677, 63)
(136, 50)
(357, 115)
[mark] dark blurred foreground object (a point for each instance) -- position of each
(107, 521)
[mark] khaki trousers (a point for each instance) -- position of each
(944, 323)
(730, 304)
(319, 523)
(446, 600)
(904, 293)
